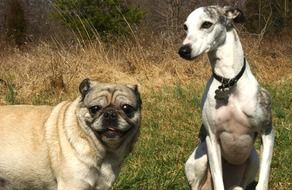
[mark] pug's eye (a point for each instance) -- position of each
(94, 109)
(128, 110)
(206, 25)
(185, 27)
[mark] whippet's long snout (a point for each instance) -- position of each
(185, 52)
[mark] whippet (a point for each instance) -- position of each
(234, 106)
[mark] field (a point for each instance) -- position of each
(171, 89)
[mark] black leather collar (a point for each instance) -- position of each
(228, 83)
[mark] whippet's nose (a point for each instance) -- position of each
(185, 52)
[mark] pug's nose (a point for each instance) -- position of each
(185, 51)
(110, 115)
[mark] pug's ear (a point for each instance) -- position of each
(84, 87)
(234, 14)
(134, 88)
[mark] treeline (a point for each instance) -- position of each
(27, 20)
(269, 15)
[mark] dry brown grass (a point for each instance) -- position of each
(151, 62)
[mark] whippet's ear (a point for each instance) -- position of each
(84, 87)
(234, 14)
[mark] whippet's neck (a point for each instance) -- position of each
(227, 60)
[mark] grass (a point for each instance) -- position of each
(169, 134)
(171, 91)
(170, 121)
(282, 111)
(10, 97)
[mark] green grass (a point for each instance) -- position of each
(171, 121)
(10, 97)
(281, 177)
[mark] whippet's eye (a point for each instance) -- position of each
(206, 25)
(94, 109)
(185, 27)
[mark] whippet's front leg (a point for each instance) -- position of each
(214, 156)
(266, 159)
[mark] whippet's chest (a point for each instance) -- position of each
(234, 133)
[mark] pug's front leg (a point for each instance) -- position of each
(69, 185)
(108, 173)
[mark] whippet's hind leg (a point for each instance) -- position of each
(196, 166)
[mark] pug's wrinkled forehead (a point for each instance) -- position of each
(108, 93)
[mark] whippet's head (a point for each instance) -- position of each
(206, 29)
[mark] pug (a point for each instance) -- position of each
(77, 145)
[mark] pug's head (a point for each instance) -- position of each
(111, 111)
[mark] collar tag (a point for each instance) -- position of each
(223, 91)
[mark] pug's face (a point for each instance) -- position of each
(111, 111)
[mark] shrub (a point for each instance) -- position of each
(89, 17)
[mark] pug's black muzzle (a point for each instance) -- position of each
(110, 123)
(110, 116)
